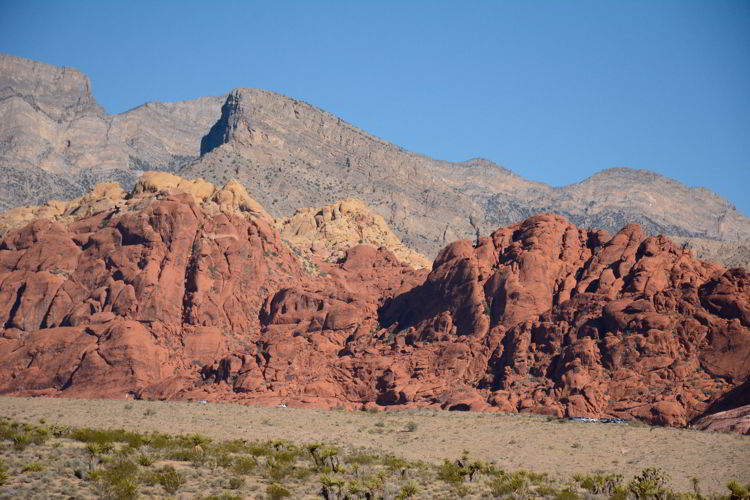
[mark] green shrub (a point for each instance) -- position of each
(330, 486)
(324, 457)
(145, 460)
(198, 439)
(126, 489)
(119, 480)
(283, 457)
(180, 455)
(244, 465)
(737, 491)
(6, 429)
(223, 460)
(60, 430)
(408, 491)
(127, 450)
(259, 450)
(546, 490)
(516, 483)
(22, 435)
(457, 472)
(567, 494)
(232, 446)
(235, 482)
(159, 441)
(21, 441)
(461, 490)
(361, 459)
(354, 489)
(619, 493)
(599, 483)
(277, 473)
(395, 464)
(32, 467)
(108, 436)
(96, 452)
(651, 483)
(373, 483)
(40, 435)
(122, 468)
(536, 478)
(166, 476)
(276, 492)
(170, 479)
(301, 473)
(451, 472)
(4, 476)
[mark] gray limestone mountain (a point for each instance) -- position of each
(291, 154)
(56, 142)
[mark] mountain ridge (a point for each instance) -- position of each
(289, 153)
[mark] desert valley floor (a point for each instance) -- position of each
(530, 442)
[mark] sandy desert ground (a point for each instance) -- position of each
(513, 442)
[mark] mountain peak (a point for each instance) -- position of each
(627, 173)
(60, 92)
(233, 118)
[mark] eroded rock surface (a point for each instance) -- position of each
(328, 232)
(580, 324)
(157, 268)
(183, 290)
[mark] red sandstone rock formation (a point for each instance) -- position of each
(580, 324)
(172, 295)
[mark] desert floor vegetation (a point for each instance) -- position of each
(58, 448)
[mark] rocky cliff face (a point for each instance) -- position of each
(294, 154)
(329, 232)
(55, 142)
(576, 322)
(727, 253)
(61, 94)
(183, 290)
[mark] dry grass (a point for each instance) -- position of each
(507, 442)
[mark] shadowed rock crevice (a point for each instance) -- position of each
(15, 306)
(221, 131)
(190, 285)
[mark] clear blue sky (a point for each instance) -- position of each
(553, 90)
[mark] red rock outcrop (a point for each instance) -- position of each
(110, 303)
(179, 292)
(731, 412)
(581, 324)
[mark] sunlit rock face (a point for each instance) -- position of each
(186, 290)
